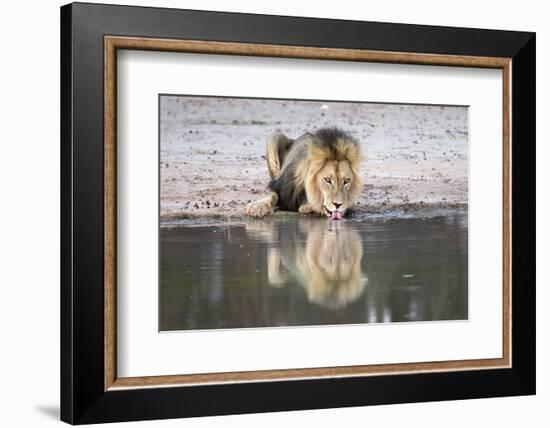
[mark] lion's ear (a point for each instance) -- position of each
(352, 153)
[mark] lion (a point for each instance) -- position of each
(315, 173)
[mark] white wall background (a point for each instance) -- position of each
(29, 213)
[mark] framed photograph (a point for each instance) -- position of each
(266, 213)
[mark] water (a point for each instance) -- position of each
(302, 271)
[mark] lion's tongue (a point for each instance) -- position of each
(336, 215)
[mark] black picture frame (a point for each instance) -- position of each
(83, 398)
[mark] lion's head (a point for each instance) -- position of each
(330, 175)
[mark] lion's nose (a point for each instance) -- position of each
(336, 204)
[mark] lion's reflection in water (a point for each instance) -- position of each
(291, 270)
(323, 256)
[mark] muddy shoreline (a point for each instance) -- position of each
(406, 211)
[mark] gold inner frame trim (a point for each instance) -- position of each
(113, 43)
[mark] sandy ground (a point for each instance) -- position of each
(213, 152)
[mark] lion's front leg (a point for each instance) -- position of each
(277, 274)
(262, 207)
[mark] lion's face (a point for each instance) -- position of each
(336, 184)
(332, 183)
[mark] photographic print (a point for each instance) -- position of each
(267, 194)
(280, 212)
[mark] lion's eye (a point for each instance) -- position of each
(327, 180)
(346, 181)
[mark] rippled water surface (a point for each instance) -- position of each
(303, 271)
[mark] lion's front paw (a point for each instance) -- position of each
(305, 209)
(258, 208)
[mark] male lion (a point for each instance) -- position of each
(316, 173)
